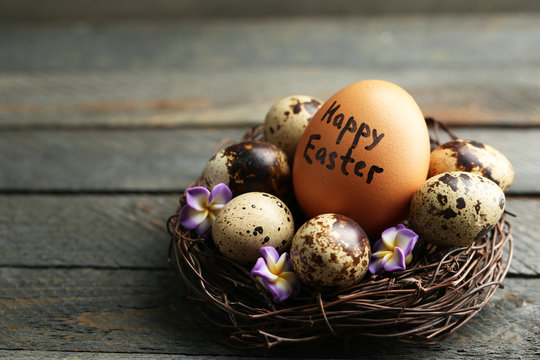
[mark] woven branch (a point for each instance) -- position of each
(440, 291)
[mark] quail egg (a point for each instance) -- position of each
(330, 250)
(287, 119)
(250, 221)
(456, 208)
(250, 166)
(472, 156)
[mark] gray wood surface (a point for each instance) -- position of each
(69, 10)
(104, 123)
(170, 159)
(128, 231)
(118, 231)
(141, 311)
(177, 97)
(461, 69)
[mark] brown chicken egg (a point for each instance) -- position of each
(363, 155)
(472, 156)
(330, 250)
(250, 166)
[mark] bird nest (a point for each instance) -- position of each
(440, 291)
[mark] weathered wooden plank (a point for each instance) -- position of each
(129, 231)
(101, 160)
(481, 69)
(62, 10)
(85, 231)
(52, 355)
(397, 41)
(141, 312)
(525, 230)
(243, 95)
(171, 159)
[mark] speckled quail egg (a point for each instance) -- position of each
(251, 221)
(330, 250)
(456, 208)
(287, 119)
(472, 156)
(250, 166)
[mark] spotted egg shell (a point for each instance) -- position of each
(330, 250)
(472, 156)
(251, 221)
(456, 208)
(287, 119)
(250, 166)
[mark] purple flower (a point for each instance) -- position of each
(275, 273)
(202, 207)
(394, 250)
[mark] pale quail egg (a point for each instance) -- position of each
(287, 119)
(251, 221)
(456, 208)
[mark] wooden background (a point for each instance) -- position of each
(103, 123)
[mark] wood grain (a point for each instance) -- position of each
(460, 69)
(99, 10)
(128, 231)
(164, 160)
(170, 159)
(394, 41)
(85, 231)
(126, 311)
(144, 98)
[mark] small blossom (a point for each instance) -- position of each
(275, 273)
(202, 207)
(394, 250)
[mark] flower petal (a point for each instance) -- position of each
(278, 267)
(260, 269)
(280, 290)
(220, 195)
(406, 239)
(197, 197)
(382, 254)
(294, 280)
(376, 265)
(203, 228)
(388, 237)
(397, 262)
(270, 254)
(408, 259)
(191, 218)
(379, 245)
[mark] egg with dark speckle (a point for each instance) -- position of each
(472, 156)
(250, 166)
(330, 251)
(251, 221)
(287, 119)
(456, 208)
